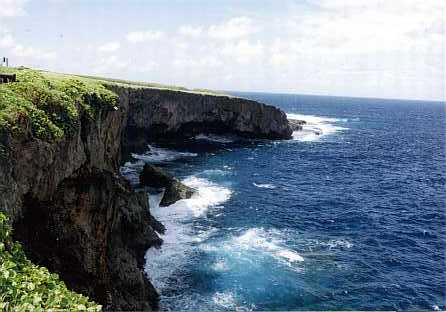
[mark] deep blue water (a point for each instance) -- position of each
(350, 219)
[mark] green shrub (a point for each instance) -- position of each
(25, 286)
(51, 105)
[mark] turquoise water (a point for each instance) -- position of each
(353, 218)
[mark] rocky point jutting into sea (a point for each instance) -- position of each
(73, 212)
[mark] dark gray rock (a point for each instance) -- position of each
(94, 233)
(296, 125)
(174, 190)
(156, 114)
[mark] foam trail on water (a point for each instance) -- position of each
(253, 243)
(180, 234)
(266, 186)
(266, 241)
(215, 138)
(215, 172)
(225, 300)
(161, 155)
(315, 127)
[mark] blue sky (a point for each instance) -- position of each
(373, 48)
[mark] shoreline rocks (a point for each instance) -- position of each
(174, 190)
(296, 125)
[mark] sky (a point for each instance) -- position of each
(361, 48)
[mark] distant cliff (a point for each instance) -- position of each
(166, 114)
(69, 207)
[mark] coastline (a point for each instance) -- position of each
(65, 183)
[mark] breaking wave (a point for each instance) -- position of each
(266, 186)
(180, 235)
(253, 243)
(158, 155)
(269, 241)
(316, 127)
(215, 138)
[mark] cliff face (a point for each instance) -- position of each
(35, 168)
(76, 215)
(164, 114)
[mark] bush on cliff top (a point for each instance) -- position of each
(50, 105)
(25, 286)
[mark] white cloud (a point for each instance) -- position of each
(6, 39)
(190, 31)
(109, 47)
(148, 66)
(202, 63)
(12, 8)
(243, 51)
(30, 52)
(360, 26)
(234, 28)
(8, 42)
(363, 48)
(110, 64)
(142, 36)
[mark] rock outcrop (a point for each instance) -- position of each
(296, 125)
(156, 114)
(174, 190)
(94, 232)
(76, 215)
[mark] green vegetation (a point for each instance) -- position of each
(50, 105)
(133, 84)
(25, 286)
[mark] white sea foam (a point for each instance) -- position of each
(161, 155)
(215, 138)
(180, 235)
(316, 127)
(224, 299)
(220, 266)
(291, 256)
(254, 242)
(266, 186)
(339, 243)
(209, 194)
(269, 241)
(214, 172)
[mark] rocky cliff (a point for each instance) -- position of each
(72, 211)
(165, 114)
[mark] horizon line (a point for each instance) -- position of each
(241, 91)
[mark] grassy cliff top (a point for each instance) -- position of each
(131, 83)
(51, 103)
(51, 106)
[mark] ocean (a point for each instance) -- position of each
(349, 214)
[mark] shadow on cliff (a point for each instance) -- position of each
(94, 233)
